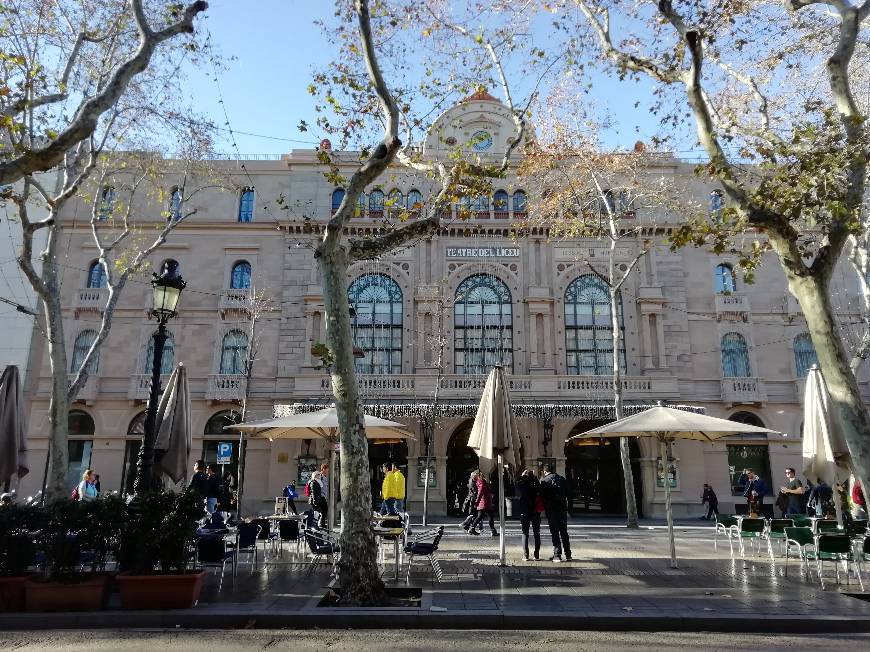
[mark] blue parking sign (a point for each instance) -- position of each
(225, 452)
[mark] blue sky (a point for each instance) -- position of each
(275, 47)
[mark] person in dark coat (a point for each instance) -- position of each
(470, 501)
(554, 492)
(755, 490)
(317, 500)
(213, 488)
(199, 481)
(708, 497)
(528, 501)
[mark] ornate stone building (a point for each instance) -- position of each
(480, 293)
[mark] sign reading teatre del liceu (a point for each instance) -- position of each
(483, 252)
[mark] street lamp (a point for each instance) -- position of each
(166, 291)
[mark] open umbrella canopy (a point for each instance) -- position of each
(174, 433)
(825, 453)
(13, 434)
(669, 423)
(322, 423)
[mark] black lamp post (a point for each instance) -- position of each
(166, 291)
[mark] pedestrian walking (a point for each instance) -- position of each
(199, 481)
(398, 488)
(530, 506)
(708, 497)
(793, 490)
(555, 496)
(387, 500)
(213, 488)
(468, 505)
(86, 489)
(227, 498)
(317, 500)
(484, 506)
(291, 496)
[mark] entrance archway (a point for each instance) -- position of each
(461, 461)
(383, 451)
(594, 473)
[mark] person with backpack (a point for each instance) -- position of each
(291, 496)
(86, 490)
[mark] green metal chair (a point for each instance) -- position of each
(802, 540)
(751, 529)
(856, 529)
(800, 520)
(863, 552)
(827, 525)
(776, 531)
(724, 523)
(836, 548)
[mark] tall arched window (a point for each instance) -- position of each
(246, 205)
(377, 323)
(82, 345)
(167, 362)
(481, 206)
(724, 279)
(135, 433)
(500, 204)
(397, 200)
(337, 198)
(376, 203)
(520, 202)
(175, 201)
(735, 356)
(804, 354)
(107, 202)
(482, 325)
(415, 201)
(234, 350)
(588, 331)
(240, 278)
(96, 275)
(80, 426)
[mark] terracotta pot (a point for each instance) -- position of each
(88, 595)
(12, 593)
(171, 591)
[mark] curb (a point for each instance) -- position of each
(325, 618)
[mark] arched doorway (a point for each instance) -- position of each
(461, 461)
(594, 473)
(384, 451)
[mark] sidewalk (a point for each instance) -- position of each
(619, 580)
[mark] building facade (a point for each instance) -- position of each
(479, 293)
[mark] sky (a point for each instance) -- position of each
(274, 47)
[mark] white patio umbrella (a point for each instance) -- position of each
(494, 435)
(825, 452)
(13, 433)
(323, 424)
(174, 434)
(667, 424)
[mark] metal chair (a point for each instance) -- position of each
(776, 530)
(827, 525)
(801, 538)
(836, 548)
(213, 551)
(724, 523)
(800, 520)
(426, 544)
(321, 545)
(266, 536)
(246, 543)
(751, 529)
(288, 530)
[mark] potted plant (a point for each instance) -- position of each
(156, 545)
(17, 553)
(73, 536)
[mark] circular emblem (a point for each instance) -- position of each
(481, 141)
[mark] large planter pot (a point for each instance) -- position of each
(12, 593)
(87, 595)
(171, 591)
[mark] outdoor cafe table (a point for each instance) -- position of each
(394, 533)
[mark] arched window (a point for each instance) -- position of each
(135, 433)
(171, 267)
(234, 350)
(217, 422)
(500, 204)
(735, 356)
(377, 323)
(214, 433)
(376, 203)
(246, 205)
(724, 279)
(396, 201)
(81, 429)
(717, 204)
(337, 198)
(750, 420)
(82, 345)
(588, 331)
(520, 202)
(80, 424)
(804, 354)
(240, 278)
(415, 201)
(96, 275)
(167, 362)
(175, 201)
(481, 206)
(482, 325)
(361, 205)
(107, 203)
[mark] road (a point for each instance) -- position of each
(417, 640)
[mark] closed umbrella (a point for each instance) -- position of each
(173, 427)
(825, 453)
(495, 437)
(667, 424)
(323, 424)
(13, 433)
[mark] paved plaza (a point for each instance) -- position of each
(619, 579)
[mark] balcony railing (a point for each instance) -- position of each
(732, 306)
(458, 387)
(234, 300)
(90, 300)
(225, 387)
(140, 386)
(743, 390)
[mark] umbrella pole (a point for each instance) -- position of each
(666, 456)
(501, 555)
(331, 486)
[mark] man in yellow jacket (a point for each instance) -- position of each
(397, 488)
(393, 490)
